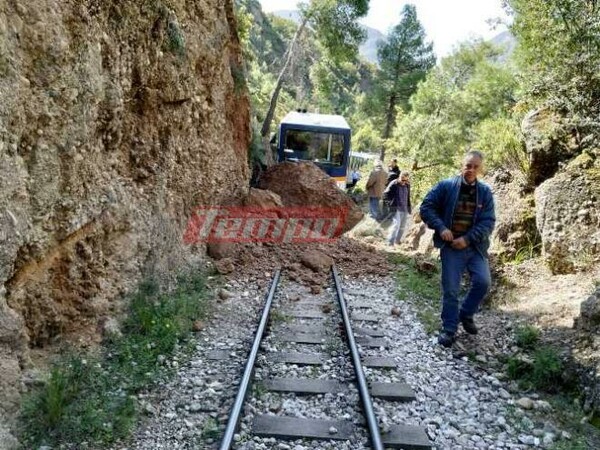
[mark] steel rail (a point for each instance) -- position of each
(360, 375)
(236, 409)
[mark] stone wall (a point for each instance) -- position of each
(117, 118)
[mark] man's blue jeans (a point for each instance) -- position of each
(374, 207)
(454, 264)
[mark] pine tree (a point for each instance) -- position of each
(404, 60)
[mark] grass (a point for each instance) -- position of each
(424, 285)
(92, 397)
(542, 372)
(529, 251)
(277, 317)
(210, 429)
(527, 337)
(570, 415)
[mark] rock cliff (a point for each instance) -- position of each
(117, 118)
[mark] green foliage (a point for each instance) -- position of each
(559, 52)
(463, 101)
(210, 430)
(367, 138)
(527, 337)
(90, 397)
(336, 25)
(543, 372)
(499, 138)
(425, 286)
(175, 39)
(404, 58)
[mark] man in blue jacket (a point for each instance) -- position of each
(461, 211)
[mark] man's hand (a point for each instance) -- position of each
(459, 243)
(447, 235)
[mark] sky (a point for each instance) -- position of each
(446, 22)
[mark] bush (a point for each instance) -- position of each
(527, 337)
(543, 371)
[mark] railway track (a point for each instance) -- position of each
(328, 351)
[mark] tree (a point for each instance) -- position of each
(336, 26)
(462, 102)
(559, 52)
(404, 60)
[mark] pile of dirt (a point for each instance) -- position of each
(307, 263)
(303, 184)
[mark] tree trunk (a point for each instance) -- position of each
(266, 126)
(390, 116)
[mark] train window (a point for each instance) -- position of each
(322, 148)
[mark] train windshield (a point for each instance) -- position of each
(322, 148)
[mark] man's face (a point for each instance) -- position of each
(403, 179)
(471, 168)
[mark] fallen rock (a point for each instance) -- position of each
(327, 308)
(316, 260)
(224, 266)
(525, 403)
(396, 311)
(221, 250)
(425, 266)
(316, 289)
(224, 294)
(262, 198)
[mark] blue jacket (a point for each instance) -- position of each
(438, 207)
(391, 194)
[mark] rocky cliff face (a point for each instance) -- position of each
(117, 118)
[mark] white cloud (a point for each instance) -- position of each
(447, 22)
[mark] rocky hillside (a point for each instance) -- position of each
(117, 118)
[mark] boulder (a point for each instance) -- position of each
(262, 198)
(224, 266)
(568, 216)
(419, 237)
(303, 184)
(589, 319)
(316, 260)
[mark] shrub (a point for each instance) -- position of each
(543, 371)
(527, 337)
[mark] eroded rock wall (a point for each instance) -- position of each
(117, 118)
(568, 215)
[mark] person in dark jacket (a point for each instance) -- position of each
(398, 191)
(461, 211)
(393, 171)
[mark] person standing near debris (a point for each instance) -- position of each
(398, 191)
(461, 211)
(375, 188)
(393, 171)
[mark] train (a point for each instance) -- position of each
(324, 139)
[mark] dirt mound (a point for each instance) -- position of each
(303, 184)
(259, 261)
